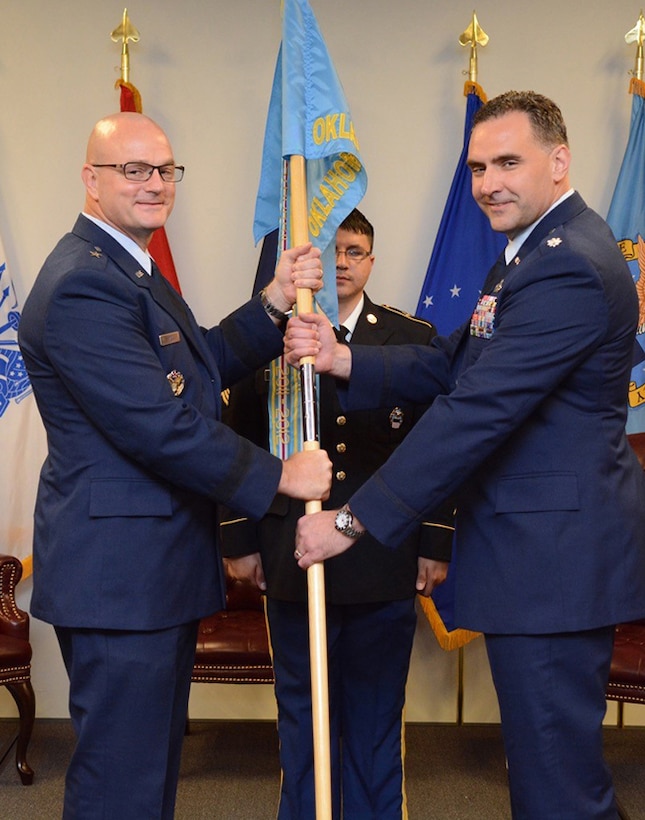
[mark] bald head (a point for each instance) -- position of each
(115, 129)
(136, 209)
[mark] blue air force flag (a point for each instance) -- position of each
(465, 247)
(626, 218)
(309, 116)
(22, 437)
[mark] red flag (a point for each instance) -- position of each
(159, 247)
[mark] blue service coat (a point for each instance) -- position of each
(125, 523)
(530, 437)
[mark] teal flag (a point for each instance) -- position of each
(309, 116)
(465, 247)
(626, 218)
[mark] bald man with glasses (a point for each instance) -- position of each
(125, 541)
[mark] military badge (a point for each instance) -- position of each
(396, 418)
(177, 382)
(483, 319)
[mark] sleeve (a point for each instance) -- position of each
(437, 532)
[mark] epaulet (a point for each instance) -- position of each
(407, 315)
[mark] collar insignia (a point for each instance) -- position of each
(96, 252)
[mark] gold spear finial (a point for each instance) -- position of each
(125, 32)
(473, 36)
(636, 35)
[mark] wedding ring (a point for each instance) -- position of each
(298, 554)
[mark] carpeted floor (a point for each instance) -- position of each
(230, 771)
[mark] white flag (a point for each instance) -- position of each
(22, 436)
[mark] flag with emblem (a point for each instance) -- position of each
(626, 217)
(159, 247)
(22, 436)
(308, 117)
(465, 247)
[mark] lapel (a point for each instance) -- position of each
(370, 330)
(572, 206)
(160, 290)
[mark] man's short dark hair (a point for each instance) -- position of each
(356, 222)
(545, 116)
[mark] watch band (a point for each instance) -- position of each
(271, 309)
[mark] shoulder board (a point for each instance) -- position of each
(406, 315)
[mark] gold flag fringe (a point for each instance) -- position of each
(637, 86)
(446, 640)
(471, 86)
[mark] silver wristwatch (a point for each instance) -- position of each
(344, 523)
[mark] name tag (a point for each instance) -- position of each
(483, 318)
(169, 338)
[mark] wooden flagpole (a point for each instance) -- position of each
(315, 573)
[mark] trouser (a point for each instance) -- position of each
(551, 692)
(128, 703)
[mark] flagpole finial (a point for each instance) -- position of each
(473, 36)
(125, 32)
(636, 35)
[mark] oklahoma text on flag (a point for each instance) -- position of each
(309, 117)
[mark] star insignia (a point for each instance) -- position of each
(427, 302)
(96, 252)
(455, 291)
(553, 243)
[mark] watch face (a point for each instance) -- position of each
(344, 519)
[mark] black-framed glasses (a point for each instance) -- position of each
(142, 171)
(354, 254)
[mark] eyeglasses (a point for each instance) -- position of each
(354, 254)
(142, 172)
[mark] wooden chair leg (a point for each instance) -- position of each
(23, 694)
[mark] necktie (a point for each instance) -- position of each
(341, 333)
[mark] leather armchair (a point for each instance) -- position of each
(15, 663)
(233, 645)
